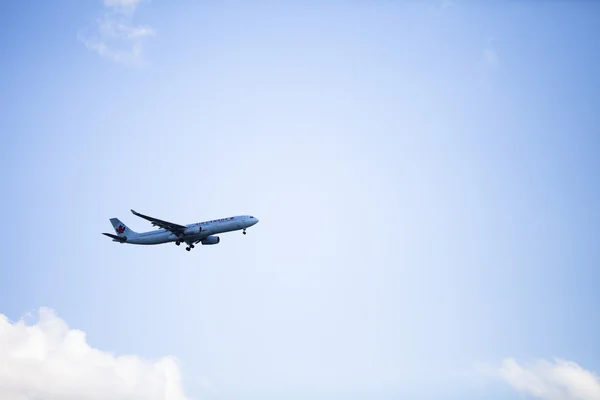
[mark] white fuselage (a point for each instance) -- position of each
(197, 232)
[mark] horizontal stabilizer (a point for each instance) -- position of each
(116, 238)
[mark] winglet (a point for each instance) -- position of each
(138, 214)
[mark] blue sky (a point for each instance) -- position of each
(425, 175)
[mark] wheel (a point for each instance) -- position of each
(177, 243)
(187, 248)
(192, 246)
(244, 232)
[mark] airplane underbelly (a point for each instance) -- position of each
(155, 239)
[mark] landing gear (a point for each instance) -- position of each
(177, 243)
(244, 231)
(191, 246)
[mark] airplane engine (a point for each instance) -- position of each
(211, 240)
(193, 230)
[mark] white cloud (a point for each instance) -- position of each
(445, 4)
(442, 5)
(122, 5)
(49, 361)
(558, 380)
(489, 63)
(115, 37)
(115, 29)
(490, 58)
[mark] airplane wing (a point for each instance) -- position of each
(175, 228)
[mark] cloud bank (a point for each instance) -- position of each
(49, 361)
(114, 36)
(558, 380)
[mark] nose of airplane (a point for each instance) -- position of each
(254, 221)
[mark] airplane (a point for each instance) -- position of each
(201, 232)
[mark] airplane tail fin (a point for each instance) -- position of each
(121, 229)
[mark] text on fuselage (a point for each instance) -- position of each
(215, 220)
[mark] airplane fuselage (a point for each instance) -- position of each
(207, 228)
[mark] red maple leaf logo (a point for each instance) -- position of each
(120, 229)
